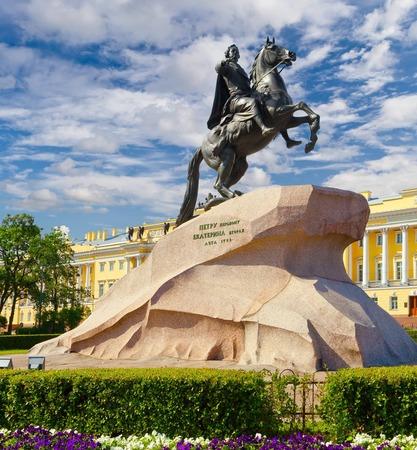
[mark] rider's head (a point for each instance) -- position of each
(232, 52)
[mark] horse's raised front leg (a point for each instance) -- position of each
(297, 121)
(314, 121)
(227, 157)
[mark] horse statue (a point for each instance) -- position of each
(241, 132)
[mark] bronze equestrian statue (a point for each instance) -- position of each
(248, 113)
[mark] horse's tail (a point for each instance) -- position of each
(190, 197)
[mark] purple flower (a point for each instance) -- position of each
(38, 438)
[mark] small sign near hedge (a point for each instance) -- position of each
(23, 342)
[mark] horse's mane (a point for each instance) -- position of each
(252, 73)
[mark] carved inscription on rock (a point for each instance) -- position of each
(215, 233)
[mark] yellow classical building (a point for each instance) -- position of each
(383, 263)
(103, 259)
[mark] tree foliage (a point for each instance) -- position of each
(17, 236)
(39, 266)
(53, 286)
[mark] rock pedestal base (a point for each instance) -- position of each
(258, 280)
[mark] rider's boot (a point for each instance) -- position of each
(265, 130)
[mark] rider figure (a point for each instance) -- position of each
(234, 95)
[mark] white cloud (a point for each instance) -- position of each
(385, 176)
(315, 56)
(99, 143)
(398, 112)
(336, 152)
(65, 167)
(388, 21)
(39, 200)
(412, 32)
(166, 24)
(68, 105)
(7, 82)
(9, 113)
(94, 210)
(394, 113)
(92, 190)
(336, 112)
(276, 158)
(16, 189)
(352, 54)
(255, 177)
(185, 71)
(373, 67)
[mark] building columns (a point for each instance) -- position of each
(88, 276)
(127, 258)
(365, 261)
(78, 278)
(384, 274)
(404, 255)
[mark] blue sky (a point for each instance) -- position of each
(102, 103)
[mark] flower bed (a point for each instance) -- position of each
(38, 438)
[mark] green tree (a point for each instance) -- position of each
(53, 282)
(18, 235)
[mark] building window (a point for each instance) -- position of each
(393, 302)
(379, 239)
(111, 284)
(102, 266)
(21, 316)
(379, 271)
(29, 316)
(121, 265)
(100, 289)
(398, 267)
(375, 299)
(398, 238)
(111, 266)
(360, 272)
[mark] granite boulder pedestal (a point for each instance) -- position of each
(258, 280)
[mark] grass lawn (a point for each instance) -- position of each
(12, 352)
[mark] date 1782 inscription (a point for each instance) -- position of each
(218, 232)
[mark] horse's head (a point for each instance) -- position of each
(266, 61)
(273, 54)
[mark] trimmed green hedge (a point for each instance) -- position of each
(412, 332)
(191, 402)
(23, 342)
(374, 400)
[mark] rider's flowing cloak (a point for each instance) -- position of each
(220, 98)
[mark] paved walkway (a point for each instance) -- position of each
(77, 361)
